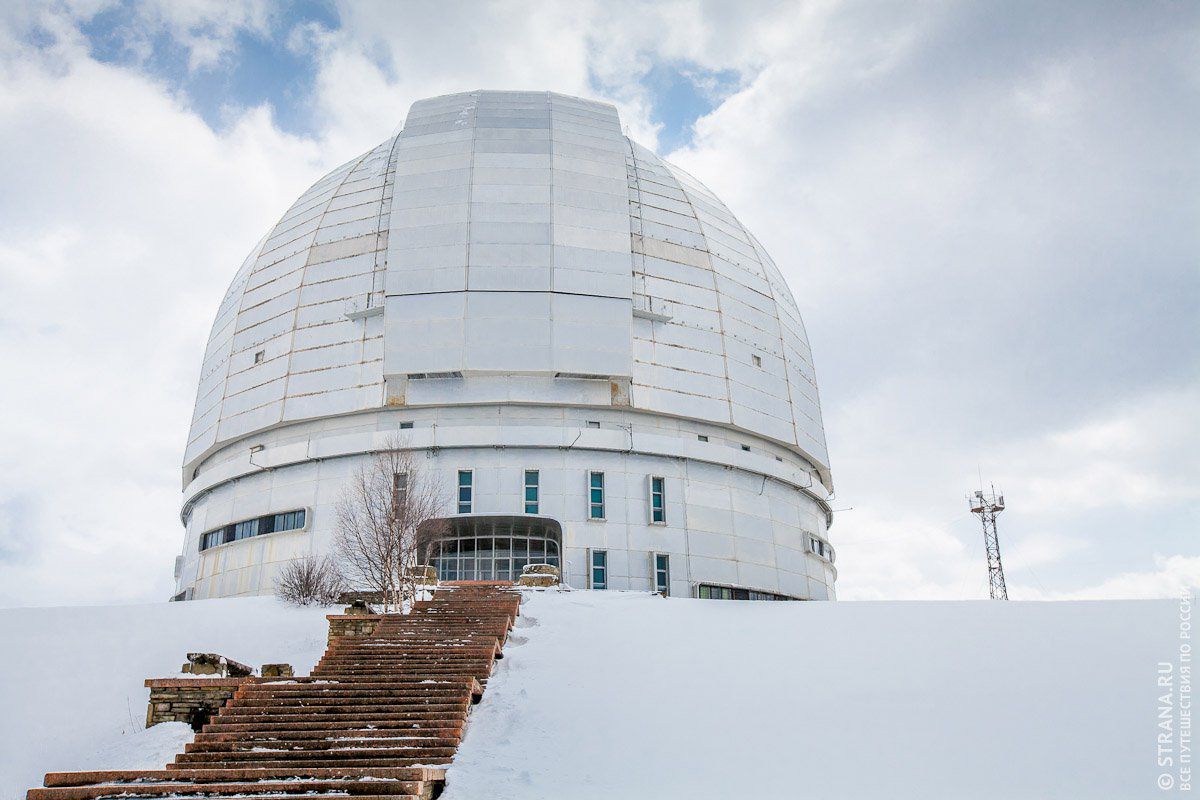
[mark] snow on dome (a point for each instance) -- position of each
(508, 251)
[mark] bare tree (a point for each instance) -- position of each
(386, 518)
(307, 580)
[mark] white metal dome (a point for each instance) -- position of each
(577, 336)
(517, 238)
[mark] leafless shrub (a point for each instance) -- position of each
(310, 580)
(386, 518)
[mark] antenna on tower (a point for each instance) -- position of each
(987, 506)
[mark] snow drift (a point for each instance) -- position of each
(608, 695)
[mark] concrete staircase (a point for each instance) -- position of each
(380, 717)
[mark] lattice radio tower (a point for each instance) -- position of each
(987, 507)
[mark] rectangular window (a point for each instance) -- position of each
(658, 500)
(596, 495)
(662, 573)
(599, 569)
(259, 526)
(404, 426)
(820, 547)
(746, 448)
(709, 592)
(701, 437)
(466, 490)
(757, 360)
(591, 423)
(531, 491)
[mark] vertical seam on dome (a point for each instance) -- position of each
(287, 374)
(474, 101)
(388, 198)
(550, 232)
(716, 292)
(641, 228)
(787, 379)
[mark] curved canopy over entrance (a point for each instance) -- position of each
(493, 548)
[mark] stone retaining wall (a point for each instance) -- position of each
(352, 624)
(190, 700)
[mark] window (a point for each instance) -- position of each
(757, 360)
(531, 491)
(595, 495)
(591, 423)
(260, 356)
(708, 591)
(820, 547)
(399, 490)
(599, 569)
(288, 521)
(494, 548)
(662, 573)
(702, 437)
(404, 426)
(466, 490)
(746, 448)
(658, 497)
(259, 526)
(244, 530)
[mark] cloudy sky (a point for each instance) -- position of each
(988, 213)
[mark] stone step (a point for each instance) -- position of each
(350, 787)
(326, 733)
(378, 695)
(423, 755)
(343, 699)
(362, 760)
(340, 794)
(447, 716)
(403, 683)
(333, 743)
(325, 726)
(54, 779)
(390, 680)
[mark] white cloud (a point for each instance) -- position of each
(1172, 576)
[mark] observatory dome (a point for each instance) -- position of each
(521, 290)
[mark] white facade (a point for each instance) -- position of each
(514, 285)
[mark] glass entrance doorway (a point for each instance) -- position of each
(492, 548)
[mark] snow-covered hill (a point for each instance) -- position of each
(622, 695)
(615, 695)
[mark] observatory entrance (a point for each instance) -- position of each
(494, 548)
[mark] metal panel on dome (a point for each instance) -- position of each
(508, 244)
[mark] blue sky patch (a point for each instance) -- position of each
(682, 94)
(259, 69)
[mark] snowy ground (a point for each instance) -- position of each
(623, 695)
(613, 695)
(71, 693)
